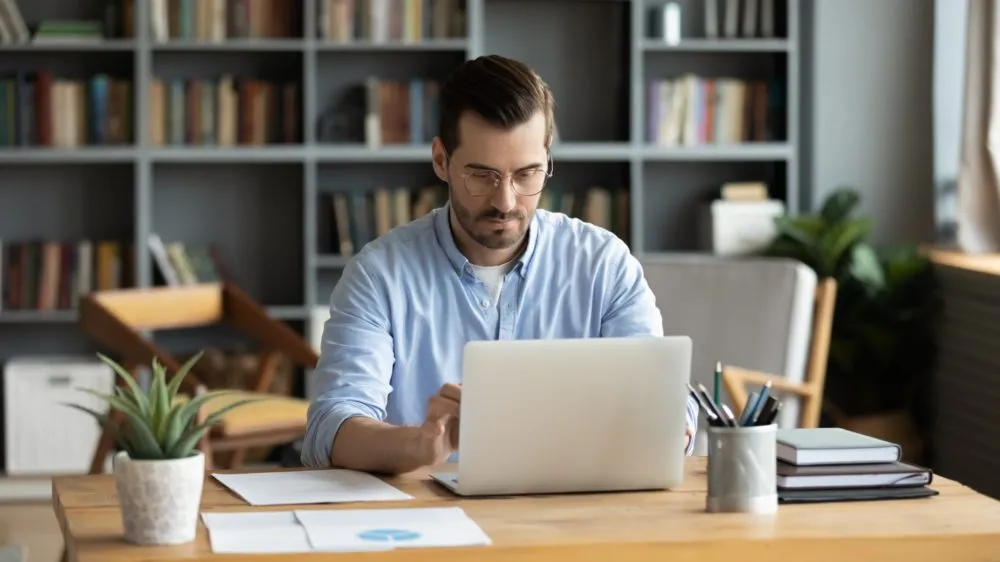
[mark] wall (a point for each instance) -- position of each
(868, 118)
(949, 73)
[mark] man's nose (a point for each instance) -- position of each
(504, 197)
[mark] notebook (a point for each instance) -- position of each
(852, 475)
(854, 494)
(832, 445)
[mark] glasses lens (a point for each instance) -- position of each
(481, 183)
(529, 182)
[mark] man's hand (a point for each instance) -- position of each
(688, 436)
(437, 438)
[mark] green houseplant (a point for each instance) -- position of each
(159, 472)
(882, 344)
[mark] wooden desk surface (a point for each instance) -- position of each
(960, 524)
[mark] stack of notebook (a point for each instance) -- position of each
(834, 464)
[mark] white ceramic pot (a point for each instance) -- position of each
(160, 499)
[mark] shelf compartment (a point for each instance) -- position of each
(209, 100)
(357, 203)
(54, 217)
(345, 81)
(677, 194)
(249, 218)
(553, 37)
(694, 14)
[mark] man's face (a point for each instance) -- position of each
(496, 218)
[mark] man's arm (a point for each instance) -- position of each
(632, 311)
(344, 423)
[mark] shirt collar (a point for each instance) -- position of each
(442, 228)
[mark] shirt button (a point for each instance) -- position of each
(485, 303)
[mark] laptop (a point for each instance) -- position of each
(571, 415)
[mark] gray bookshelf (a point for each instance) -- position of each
(260, 204)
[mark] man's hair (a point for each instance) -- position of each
(504, 92)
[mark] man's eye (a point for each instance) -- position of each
(482, 175)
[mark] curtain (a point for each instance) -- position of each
(978, 191)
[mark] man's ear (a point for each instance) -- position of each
(439, 158)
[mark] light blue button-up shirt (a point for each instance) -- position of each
(409, 301)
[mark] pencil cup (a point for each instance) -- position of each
(742, 469)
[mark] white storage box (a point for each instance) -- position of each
(42, 435)
(734, 228)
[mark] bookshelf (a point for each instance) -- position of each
(265, 202)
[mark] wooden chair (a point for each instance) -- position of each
(115, 319)
(810, 390)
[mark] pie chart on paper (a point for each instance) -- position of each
(388, 535)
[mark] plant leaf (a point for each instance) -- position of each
(106, 423)
(191, 437)
(142, 438)
(839, 205)
(137, 393)
(865, 267)
(175, 382)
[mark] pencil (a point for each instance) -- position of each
(718, 383)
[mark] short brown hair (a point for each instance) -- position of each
(503, 91)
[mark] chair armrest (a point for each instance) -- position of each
(736, 380)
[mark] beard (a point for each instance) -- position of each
(477, 227)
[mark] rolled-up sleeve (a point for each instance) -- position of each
(355, 363)
(632, 312)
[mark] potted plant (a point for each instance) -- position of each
(158, 470)
(882, 344)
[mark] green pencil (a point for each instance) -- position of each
(718, 384)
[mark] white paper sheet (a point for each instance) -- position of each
(256, 533)
(309, 487)
(361, 529)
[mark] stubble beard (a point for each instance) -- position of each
(495, 239)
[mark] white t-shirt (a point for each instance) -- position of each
(493, 277)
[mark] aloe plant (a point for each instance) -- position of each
(157, 425)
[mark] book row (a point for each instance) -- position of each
(352, 218)
(223, 112)
(52, 275)
(215, 21)
(185, 263)
(381, 21)
(693, 110)
(42, 110)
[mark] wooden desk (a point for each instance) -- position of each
(960, 524)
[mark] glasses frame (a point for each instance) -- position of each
(550, 169)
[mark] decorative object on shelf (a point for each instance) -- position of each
(882, 347)
(159, 472)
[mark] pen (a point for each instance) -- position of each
(718, 383)
(774, 414)
(765, 411)
(701, 403)
(746, 415)
(761, 400)
(730, 418)
(708, 400)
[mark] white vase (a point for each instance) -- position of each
(160, 499)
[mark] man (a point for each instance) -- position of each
(487, 265)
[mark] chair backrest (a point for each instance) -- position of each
(755, 313)
(162, 308)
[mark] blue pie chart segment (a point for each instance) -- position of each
(388, 535)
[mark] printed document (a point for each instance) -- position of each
(360, 529)
(255, 533)
(309, 487)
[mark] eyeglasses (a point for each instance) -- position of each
(480, 183)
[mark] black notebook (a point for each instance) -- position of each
(854, 494)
